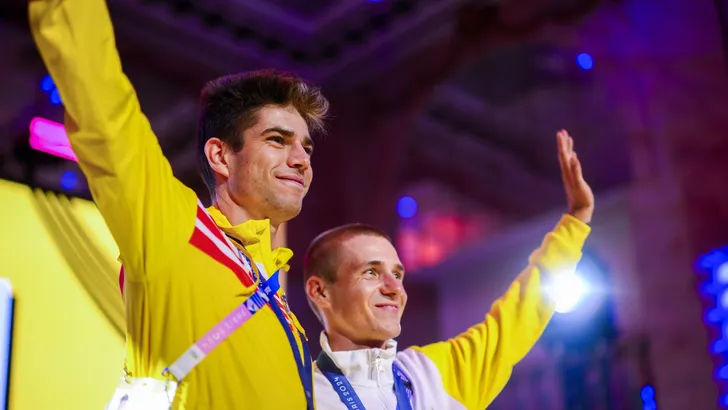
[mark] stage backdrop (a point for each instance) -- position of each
(68, 339)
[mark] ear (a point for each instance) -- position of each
(215, 151)
(318, 292)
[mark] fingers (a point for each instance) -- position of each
(570, 142)
(564, 156)
(565, 142)
(561, 145)
(574, 163)
(576, 169)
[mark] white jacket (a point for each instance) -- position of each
(467, 371)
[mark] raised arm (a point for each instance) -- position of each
(476, 365)
(148, 211)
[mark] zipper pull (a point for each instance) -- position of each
(378, 363)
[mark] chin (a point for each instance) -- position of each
(292, 213)
(287, 211)
(391, 332)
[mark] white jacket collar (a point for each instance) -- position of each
(364, 365)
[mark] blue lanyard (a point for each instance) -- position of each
(305, 366)
(402, 386)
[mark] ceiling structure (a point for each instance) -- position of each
(496, 118)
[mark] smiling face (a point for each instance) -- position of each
(366, 301)
(272, 172)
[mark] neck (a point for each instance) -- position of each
(236, 214)
(340, 343)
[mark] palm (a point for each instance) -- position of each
(578, 192)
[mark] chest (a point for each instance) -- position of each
(373, 395)
(207, 285)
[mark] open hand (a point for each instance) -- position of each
(578, 193)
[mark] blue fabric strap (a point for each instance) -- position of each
(402, 386)
(304, 364)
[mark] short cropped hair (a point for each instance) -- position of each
(322, 256)
(229, 105)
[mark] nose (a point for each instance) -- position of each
(298, 157)
(391, 286)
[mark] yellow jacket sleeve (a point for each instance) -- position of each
(148, 211)
(476, 365)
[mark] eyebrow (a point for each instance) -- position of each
(283, 131)
(380, 263)
(288, 133)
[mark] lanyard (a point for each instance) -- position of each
(304, 365)
(402, 386)
(197, 352)
(265, 293)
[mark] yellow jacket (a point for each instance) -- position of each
(174, 291)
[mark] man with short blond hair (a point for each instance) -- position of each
(355, 285)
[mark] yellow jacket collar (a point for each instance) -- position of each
(255, 235)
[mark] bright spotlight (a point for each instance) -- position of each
(585, 61)
(407, 207)
(567, 290)
(721, 273)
